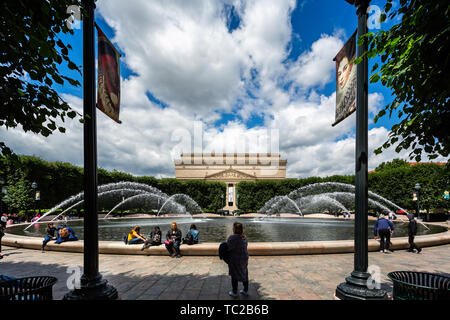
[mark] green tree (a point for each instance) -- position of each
(415, 66)
(395, 163)
(20, 194)
(31, 51)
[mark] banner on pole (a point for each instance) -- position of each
(345, 80)
(108, 87)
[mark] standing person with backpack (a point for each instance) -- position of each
(238, 263)
(3, 221)
(154, 238)
(384, 228)
(412, 231)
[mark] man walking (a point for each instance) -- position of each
(3, 220)
(412, 231)
(384, 229)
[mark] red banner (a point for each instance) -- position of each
(108, 88)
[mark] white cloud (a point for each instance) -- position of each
(314, 67)
(183, 54)
(181, 50)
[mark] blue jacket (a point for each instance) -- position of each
(382, 224)
(194, 234)
(71, 237)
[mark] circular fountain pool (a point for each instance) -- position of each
(270, 229)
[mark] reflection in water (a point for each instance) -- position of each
(218, 229)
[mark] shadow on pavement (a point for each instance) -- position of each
(131, 286)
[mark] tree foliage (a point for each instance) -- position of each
(396, 183)
(396, 163)
(31, 52)
(20, 195)
(393, 180)
(415, 66)
(59, 180)
(253, 195)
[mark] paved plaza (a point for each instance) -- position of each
(272, 277)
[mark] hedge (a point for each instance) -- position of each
(394, 180)
(57, 181)
(393, 183)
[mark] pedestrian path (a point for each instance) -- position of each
(203, 278)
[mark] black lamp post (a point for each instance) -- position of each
(34, 186)
(356, 286)
(417, 187)
(93, 287)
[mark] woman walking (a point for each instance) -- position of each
(238, 265)
(3, 221)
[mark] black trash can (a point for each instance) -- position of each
(30, 288)
(411, 285)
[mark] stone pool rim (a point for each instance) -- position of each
(211, 248)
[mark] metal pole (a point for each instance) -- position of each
(356, 286)
(92, 284)
(361, 173)
(90, 148)
(418, 204)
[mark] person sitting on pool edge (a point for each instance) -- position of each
(173, 241)
(65, 233)
(50, 235)
(154, 238)
(191, 235)
(135, 236)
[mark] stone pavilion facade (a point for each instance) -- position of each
(230, 168)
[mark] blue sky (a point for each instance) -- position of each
(310, 19)
(243, 70)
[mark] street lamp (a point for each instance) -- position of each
(417, 187)
(92, 284)
(34, 185)
(358, 285)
